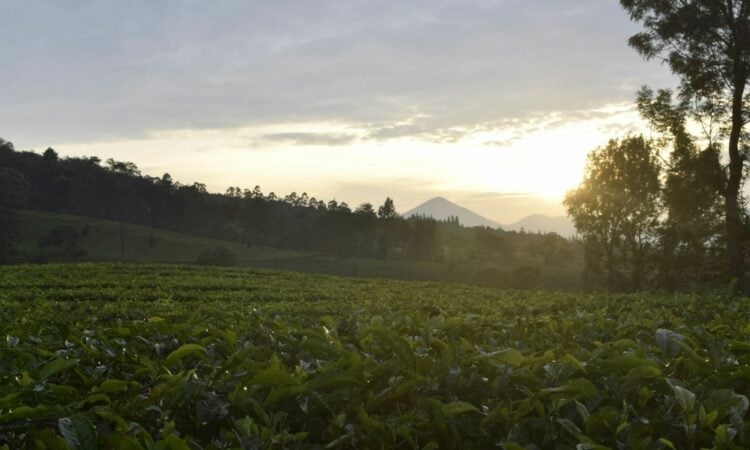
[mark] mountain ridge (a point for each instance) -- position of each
(440, 208)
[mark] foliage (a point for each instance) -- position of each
(119, 191)
(616, 209)
(165, 357)
(388, 210)
(707, 44)
(14, 193)
(692, 233)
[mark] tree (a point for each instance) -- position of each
(707, 44)
(14, 193)
(50, 155)
(388, 210)
(616, 210)
(123, 167)
(365, 210)
(692, 236)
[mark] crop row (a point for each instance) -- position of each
(115, 356)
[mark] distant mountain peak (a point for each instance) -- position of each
(541, 223)
(440, 208)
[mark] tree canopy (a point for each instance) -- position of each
(707, 44)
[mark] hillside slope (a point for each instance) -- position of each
(107, 240)
(111, 241)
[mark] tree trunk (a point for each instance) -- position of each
(734, 223)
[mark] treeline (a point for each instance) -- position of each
(670, 212)
(117, 190)
(652, 211)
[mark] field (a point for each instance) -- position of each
(110, 241)
(178, 357)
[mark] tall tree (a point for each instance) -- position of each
(707, 44)
(387, 210)
(692, 235)
(616, 210)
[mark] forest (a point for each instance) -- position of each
(118, 191)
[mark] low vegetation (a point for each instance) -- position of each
(170, 357)
(102, 240)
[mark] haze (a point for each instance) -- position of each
(493, 104)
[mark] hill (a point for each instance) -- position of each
(546, 224)
(440, 208)
(112, 241)
(108, 241)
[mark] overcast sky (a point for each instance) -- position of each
(490, 103)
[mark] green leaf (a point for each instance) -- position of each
(275, 377)
(667, 340)
(456, 408)
(726, 402)
(667, 443)
(172, 442)
(78, 432)
(55, 366)
(684, 397)
(186, 350)
(573, 362)
(114, 385)
(511, 357)
(27, 412)
(639, 374)
(576, 387)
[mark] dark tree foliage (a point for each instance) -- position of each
(118, 191)
(692, 235)
(707, 44)
(388, 210)
(14, 193)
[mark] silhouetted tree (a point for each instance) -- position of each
(387, 210)
(365, 210)
(615, 209)
(50, 155)
(123, 167)
(707, 44)
(692, 235)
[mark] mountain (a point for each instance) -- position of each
(440, 209)
(546, 224)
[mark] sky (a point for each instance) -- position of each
(493, 104)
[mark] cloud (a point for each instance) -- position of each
(102, 70)
(301, 138)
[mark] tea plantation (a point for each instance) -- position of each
(176, 357)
